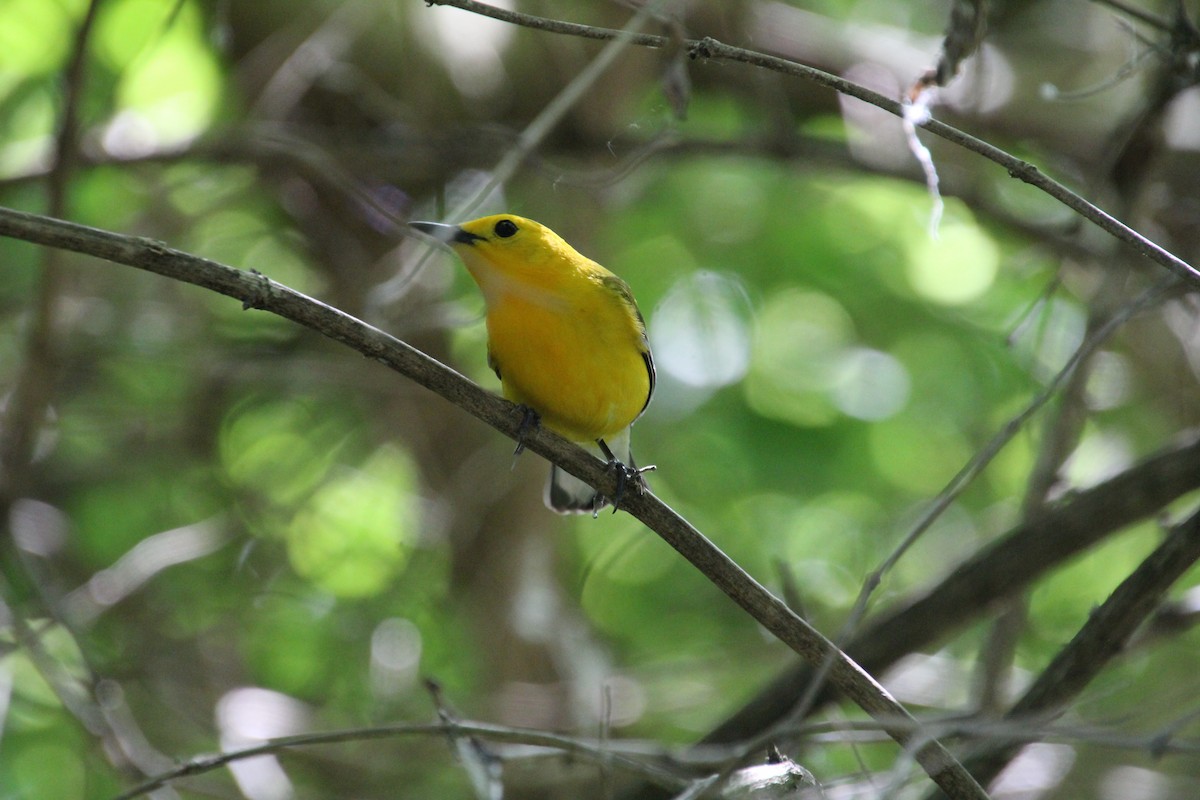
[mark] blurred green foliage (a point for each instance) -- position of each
(221, 502)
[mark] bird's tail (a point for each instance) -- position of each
(566, 494)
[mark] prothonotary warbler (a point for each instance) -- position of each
(566, 339)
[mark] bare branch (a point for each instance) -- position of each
(569, 745)
(1098, 642)
(964, 32)
(711, 49)
(1001, 570)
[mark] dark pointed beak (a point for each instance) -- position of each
(446, 234)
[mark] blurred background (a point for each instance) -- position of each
(225, 528)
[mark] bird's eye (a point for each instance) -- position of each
(505, 228)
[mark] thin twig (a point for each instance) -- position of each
(529, 140)
(1099, 641)
(972, 469)
(551, 25)
(1000, 570)
(569, 745)
(711, 49)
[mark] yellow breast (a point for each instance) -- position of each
(576, 358)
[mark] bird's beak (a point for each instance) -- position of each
(446, 234)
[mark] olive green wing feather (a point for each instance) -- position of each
(622, 290)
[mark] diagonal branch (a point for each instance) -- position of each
(1098, 642)
(1001, 570)
(258, 291)
(711, 49)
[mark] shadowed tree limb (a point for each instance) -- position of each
(1002, 569)
(1098, 642)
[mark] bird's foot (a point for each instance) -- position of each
(530, 420)
(627, 477)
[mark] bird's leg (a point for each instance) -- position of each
(626, 474)
(529, 421)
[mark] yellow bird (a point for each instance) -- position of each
(566, 339)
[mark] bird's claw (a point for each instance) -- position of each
(530, 420)
(627, 476)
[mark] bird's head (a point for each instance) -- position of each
(504, 243)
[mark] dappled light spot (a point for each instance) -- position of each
(1111, 381)
(170, 81)
(799, 340)
(125, 29)
(1137, 783)
(956, 267)
(1180, 126)
(395, 657)
(1035, 772)
(1101, 455)
(730, 204)
(870, 384)
(1049, 337)
(38, 528)
(622, 703)
(27, 143)
(280, 448)
(919, 455)
(250, 716)
(700, 332)
(931, 680)
(357, 530)
(470, 47)
(870, 219)
(34, 40)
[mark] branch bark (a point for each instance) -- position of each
(1098, 642)
(710, 49)
(600, 752)
(999, 571)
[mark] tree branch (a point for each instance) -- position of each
(30, 397)
(569, 745)
(258, 291)
(711, 49)
(1001, 570)
(1098, 642)
(22, 422)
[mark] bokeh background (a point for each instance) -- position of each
(224, 528)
